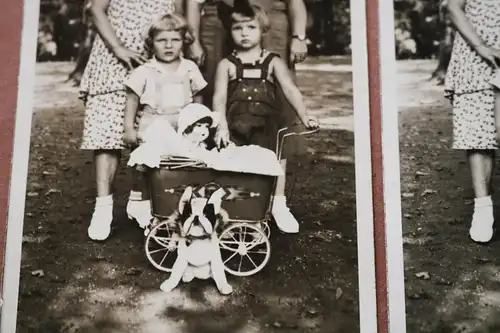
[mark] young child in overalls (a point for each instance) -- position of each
(246, 96)
(159, 89)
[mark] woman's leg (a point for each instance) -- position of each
(106, 164)
(481, 164)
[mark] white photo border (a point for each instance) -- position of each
(391, 169)
(21, 150)
(20, 160)
(363, 161)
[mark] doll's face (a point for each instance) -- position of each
(200, 132)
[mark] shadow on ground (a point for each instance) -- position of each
(70, 284)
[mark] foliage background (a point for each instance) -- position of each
(62, 28)
(421, 28)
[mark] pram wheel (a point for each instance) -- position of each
(161, 245)
(245, 249)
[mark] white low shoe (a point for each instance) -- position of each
(481, 230)
(100, 224)
(140, 211)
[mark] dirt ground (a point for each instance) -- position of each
(71, 284)
(452, 284)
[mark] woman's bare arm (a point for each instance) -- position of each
(193, 17)
(298, 16)
(108, 35)
(102, 24)
(466, 30)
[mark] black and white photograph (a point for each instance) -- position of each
(191, 168)
(449, 107)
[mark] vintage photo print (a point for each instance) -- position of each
(189, 166)
(448, 102)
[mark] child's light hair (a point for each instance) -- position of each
(259, 14)
(169, 22)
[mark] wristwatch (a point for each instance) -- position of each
(300, 37)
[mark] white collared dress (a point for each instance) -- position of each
(163, 94)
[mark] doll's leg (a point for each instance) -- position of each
(218, 271)
(178, 270)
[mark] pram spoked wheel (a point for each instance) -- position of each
(161, 245)
(245, 249)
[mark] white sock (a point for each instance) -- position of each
(104, 200)
(135, 196)
(481, 229)
(279, 200)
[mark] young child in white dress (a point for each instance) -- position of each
(160, 88)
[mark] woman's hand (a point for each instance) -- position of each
(197, 53)
(128, 57)
(489, 54)
(130, 137)
(298, 50)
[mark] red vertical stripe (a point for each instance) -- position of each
(372, 30)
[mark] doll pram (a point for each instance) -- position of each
(244, 242)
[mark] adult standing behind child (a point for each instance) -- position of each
(476, 52)
(119, 46)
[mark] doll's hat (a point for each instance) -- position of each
(193, 113)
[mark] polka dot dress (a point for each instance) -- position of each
(102, 88)
(467, 80)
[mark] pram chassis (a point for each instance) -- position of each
(257, 229)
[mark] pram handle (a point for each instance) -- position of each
(280, 140)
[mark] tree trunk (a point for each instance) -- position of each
(445, 46)
(86, 41)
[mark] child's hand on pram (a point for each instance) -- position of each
(311, 123)
(222, 138)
